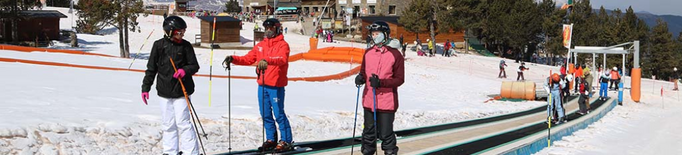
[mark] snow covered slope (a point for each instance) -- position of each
(59, 110)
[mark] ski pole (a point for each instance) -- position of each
(194, 112)
(189, 106)
(138, 52)
(376, 131)
(199, 121)
(262, 108)
(229, 109)
(210, 74)
(549, 120)
(357, 98)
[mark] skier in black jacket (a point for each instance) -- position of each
(175, 111)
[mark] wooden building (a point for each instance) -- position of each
(32, 25)
(227, 31)
(181, 5)
(397, 29)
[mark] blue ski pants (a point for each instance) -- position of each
(271, 100)
(556, 103)
(603, 89)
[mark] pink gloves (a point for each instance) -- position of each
(145, 97)
(179, 74)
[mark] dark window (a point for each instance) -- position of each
(391, 9)
(371, 9)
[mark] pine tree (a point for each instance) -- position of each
(459, 15)
(553, 27)
(127, 12)
(232, 6)
(94, 15)
(421, 16)
(415, 17)
(661, 63)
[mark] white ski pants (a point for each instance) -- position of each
(176, 120)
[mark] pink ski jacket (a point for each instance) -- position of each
(388, 64)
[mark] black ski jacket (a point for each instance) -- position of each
(159, 63)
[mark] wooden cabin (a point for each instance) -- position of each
(227, 31)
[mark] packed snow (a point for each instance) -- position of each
(648, 127)
(61, 110)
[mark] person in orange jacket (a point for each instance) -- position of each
(615, 78)
(578, 77)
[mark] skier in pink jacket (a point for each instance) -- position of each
(383, 68)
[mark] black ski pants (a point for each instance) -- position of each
(520, 76)
(502, 72)
(386, 134)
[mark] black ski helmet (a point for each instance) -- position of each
(172, 23)
(380, 26)
(273, 22)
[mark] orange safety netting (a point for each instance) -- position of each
(329, 54)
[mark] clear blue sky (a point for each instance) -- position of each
(658, 7)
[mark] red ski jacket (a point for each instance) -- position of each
(275, 51)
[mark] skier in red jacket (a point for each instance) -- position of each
(272, 55)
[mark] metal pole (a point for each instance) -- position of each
(636, 56)
(323, 10)
(575, 58)
(594, 70)
(604, 64)
(623, 66)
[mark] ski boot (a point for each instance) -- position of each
(284, 147)
(391, 152)
(268, 145)
(561, 120)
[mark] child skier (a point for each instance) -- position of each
(584, 96)
(502, 74)
(553, 86)
(603, 88)
(383, 69)
(175, 111)
(520, 72)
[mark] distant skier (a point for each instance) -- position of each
(589, 78)
(383, 68)
(603, 88)
(175, 113)
(271, 55)
(615, 79)
(503, 73)
(430, 45)
(520, 72)
(578, 77)
(446, 49)
(676, 78)
(583, 101)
